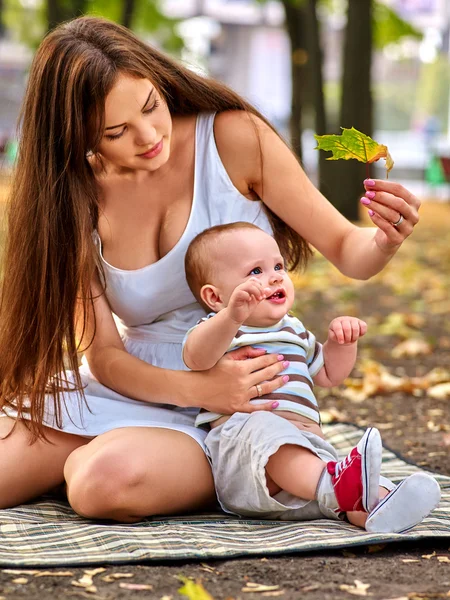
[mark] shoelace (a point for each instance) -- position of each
(343, 464)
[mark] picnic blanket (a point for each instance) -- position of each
(48, 533)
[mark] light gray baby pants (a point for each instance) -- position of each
(239, 450)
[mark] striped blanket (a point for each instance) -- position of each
(49, 533)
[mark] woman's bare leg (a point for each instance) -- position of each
(27, 471)
(134, 472)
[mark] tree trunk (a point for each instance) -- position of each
(127, 12)
(356, 104)
(54, 16)
(295, 25)
(316, 80)
(60, 10)
(79, 7)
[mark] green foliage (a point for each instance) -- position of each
(389, 27)
(30, 24)
(26, 24)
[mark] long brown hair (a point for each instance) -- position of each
(50, 256)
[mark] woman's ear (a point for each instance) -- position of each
(211, 297)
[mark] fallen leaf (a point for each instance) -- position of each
(377, 380)
(113, 576)
(20, 571)
(443, 559)
(428, 556)
(87, 588)
(333, 415)
(205, 567)
(194, 590)
(259, 587)
(86, 581)
(20, 580)
(93, 572)
(359, 589)
(54, 574)
(411, 348)
(273, 594)
(440, 391)
(135, 586)
(410, 560)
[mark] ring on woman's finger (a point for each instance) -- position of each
(399, 222)
(258, 390)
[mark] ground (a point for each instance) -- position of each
(408, 303)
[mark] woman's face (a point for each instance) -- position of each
(138, 126)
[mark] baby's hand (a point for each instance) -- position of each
(346, 330)
(245, 298)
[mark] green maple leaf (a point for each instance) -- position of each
(354, 144)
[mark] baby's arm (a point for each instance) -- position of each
(339, 351)
(209, 341)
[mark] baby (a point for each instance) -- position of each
(277, 464)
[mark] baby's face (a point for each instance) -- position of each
(245, 253)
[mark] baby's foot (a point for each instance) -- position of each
(353, 483)
(406, 505)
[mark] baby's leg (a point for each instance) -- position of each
(295, 470)
(348, 485)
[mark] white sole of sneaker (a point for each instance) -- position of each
(406, 506)
(371, 449)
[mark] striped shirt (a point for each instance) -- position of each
(299, 346)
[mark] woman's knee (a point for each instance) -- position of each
(99, 482)
(126, 475)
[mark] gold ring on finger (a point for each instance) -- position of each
(258, 390)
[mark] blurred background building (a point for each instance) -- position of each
(249, 45)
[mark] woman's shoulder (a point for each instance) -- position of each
(231, 126)
(238, 135)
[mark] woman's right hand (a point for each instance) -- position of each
(230, 385)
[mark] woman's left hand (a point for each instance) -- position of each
(393, 209)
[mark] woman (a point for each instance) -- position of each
(124, 157)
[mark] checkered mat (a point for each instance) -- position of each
(49, 533)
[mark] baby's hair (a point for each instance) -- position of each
(198, 264)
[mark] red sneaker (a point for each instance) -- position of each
(356, 478)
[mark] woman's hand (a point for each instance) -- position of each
(393, 210)
(230, 385)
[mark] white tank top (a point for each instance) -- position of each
(154, 303)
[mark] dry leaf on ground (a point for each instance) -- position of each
(114, 576)
(135, 586)
(259, 587)
(377, 380)
(54, 574)
(359, 589)
(411, 348)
